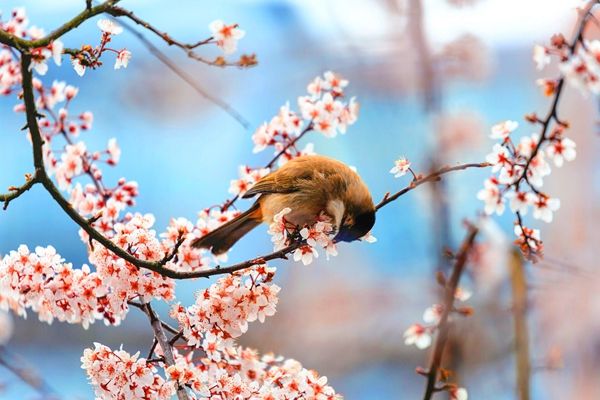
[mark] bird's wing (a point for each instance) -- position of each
(280, 181)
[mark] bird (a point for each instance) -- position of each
(308, 185)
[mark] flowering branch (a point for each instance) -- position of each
(433, 177)
(22, 44)
(448, 307)
(159, 266)
(162, 57)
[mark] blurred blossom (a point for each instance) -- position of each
(465, 57)
(6, 327)
(459, 133)
(490, 258)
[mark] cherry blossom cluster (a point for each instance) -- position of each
(118, 375)
(320, 234)
(322, 110)
(222, 311)
(89, 57)
(581, 69)
(44, 283)
(240, 373)
(519, 170)
(18, 25)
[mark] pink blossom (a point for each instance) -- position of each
(401, 167)
(491, 196)
(122, 59)
(561, 150)
(544, 206)
(110, 27)
(503, 129)
(541, 56)
(418, 335)
(226, 36)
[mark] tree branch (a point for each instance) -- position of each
(433, 177)
(22, 44)
(163, 342)
(448, 306)
(15, 191)
(162, 57)
(519, 310)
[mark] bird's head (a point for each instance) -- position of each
(355, 225)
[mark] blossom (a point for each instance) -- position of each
(433, 314)
(114, 151)
(401, 167)
(110, 27)
(418, 335)
(57, 48)
(503, 129)
(334, 82)
(548, 86)
(278, 229)
(499, 157)
(122, 59)
(544, 206)
(541, 56)
(520, 201)
(462, 294)
(226, 36)
(6, 326)
(561, 149)
(528, 238)
(369, 238)
(458, 393)
(305, 254)
(492, 197)
(77, 66)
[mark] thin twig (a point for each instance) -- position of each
(15, 191)
(448, 306)
(163, 58)
(433, 177)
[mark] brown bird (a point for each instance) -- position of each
(308, 185)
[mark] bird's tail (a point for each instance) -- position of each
(221, 239)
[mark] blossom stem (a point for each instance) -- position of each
(448, 306)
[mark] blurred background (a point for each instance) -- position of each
(432, 77)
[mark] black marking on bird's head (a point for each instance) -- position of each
(355, 227)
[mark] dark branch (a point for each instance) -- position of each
(15, 191)
(433, 177)
(163, 342)
(448, 306)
